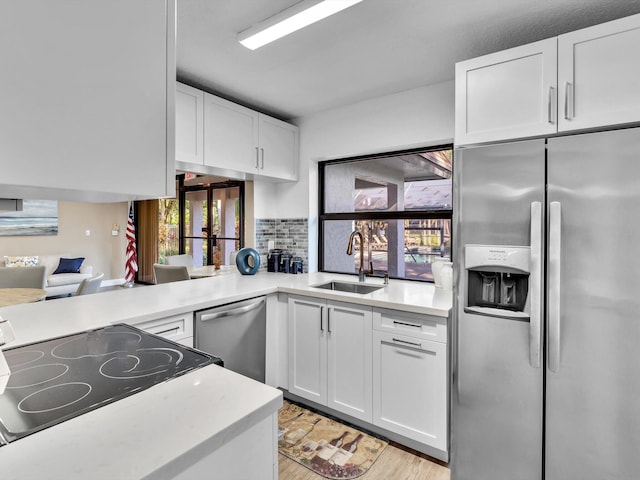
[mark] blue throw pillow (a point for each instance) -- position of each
(69, 265)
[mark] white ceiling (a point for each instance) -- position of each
(374, 48)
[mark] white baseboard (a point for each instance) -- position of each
(112, 282)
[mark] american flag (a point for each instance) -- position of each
(131, 262)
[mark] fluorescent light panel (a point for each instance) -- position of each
(294, 18)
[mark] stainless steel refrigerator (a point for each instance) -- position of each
(546, 376)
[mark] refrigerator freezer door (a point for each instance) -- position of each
(593, 400)
(496, 394)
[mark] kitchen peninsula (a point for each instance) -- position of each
(208, 419)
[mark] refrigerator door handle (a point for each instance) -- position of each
(555, 244)
(535, 323)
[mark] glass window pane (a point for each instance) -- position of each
(401, 182)
(168, 237)
(403, 248)
(394, 183)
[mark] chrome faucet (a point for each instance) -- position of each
(361, 272)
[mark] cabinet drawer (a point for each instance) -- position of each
(175, 328)
(412, 324)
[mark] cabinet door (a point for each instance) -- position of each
(349, 360)
(278, 149)
(508, 94)
(189, 124)
(598, 75)
(308, 349)
(87, 97)
(410, 387)
(230, 135)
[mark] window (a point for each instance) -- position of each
(207, 215)
(212, 218)
(400, 202)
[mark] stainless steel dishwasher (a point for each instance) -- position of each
(236, 332)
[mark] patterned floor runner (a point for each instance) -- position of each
(325, 446)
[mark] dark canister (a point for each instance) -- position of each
(273, 259)
(285, 262)
(296, 265)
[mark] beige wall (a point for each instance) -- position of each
(101, 250)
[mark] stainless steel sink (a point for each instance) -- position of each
(360, 288)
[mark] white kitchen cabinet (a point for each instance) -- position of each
(230, 135)
(410, 387)
(278, 143)
(598, 72)
(507, 94)
(240, 139)
(87, 99)
(308, 348)
(330, 354)
(189, 124)
(178, 328)
(580, 80)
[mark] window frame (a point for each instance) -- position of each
(414, 214)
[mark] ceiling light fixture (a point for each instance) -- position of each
(293, 18)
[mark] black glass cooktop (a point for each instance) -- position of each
(58, 379)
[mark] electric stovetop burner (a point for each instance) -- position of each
(58, 379)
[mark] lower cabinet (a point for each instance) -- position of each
(409, 387)
(410, 383)
(388, 368)
(178, 328)
(330, 346)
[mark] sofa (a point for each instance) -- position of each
(55, 283)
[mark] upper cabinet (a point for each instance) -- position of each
(580, 80)
(240, 139)
(507, 94)
(230, 135)
(278, 143)
(598, 75)
(87, 99)
(189, 124)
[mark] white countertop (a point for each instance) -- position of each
(171, 425)
(38, 321)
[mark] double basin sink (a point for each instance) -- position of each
(348, 287)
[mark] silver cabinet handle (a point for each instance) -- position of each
(555, 245)
(174, 329)
(321, 318)
(234, 311)
(535, 323)
(569, 107)
(551, 105)
(329, 320)
(262, 151)
(415, 344)
(397, 322)
(257, 158)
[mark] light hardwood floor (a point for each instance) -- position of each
(393, 464)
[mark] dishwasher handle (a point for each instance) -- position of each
(234, 311)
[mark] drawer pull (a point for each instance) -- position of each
(408, 343)
(407, 324)
(174, 329)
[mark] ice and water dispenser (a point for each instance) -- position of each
(497, 279)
